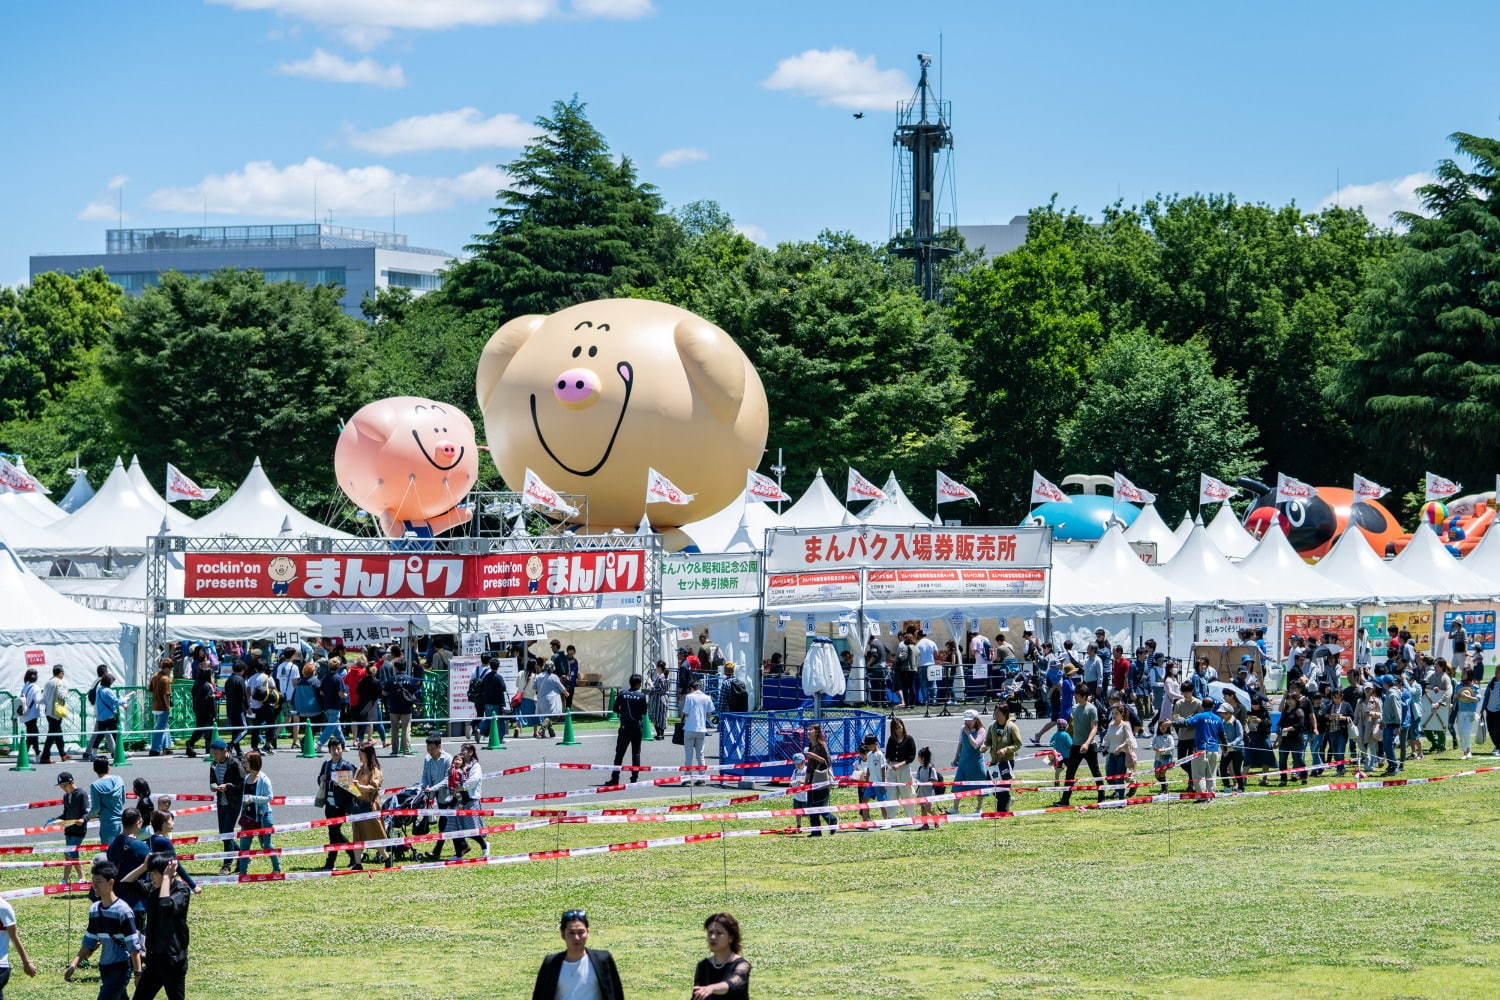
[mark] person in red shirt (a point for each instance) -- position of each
(352, 678)
(1120, 673)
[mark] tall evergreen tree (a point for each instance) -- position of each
(1424, 386)
(573, 225)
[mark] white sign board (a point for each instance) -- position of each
(686, 574)
(510, 669)
(461, 670)
(854, 547)
(516, 630)
(472, 643)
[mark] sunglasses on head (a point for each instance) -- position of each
(570, 915)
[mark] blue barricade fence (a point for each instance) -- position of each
(748, 737)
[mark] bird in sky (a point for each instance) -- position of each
(859, 114)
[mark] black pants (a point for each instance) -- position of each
(628, 737)
(1090, 757)
(158, 976)
(336, 836)
(267, 717)
(437, 845)
(1002, 794)
(203, 726)
(228, 814)
(234, 726)
(1232, 764)
(819, 797)
(103, 731)
(1185, 750)
(31, 738)
(54, 737)
(1492, 723)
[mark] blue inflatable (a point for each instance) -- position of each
(1084, 518)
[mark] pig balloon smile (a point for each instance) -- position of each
(627, 375)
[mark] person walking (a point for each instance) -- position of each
(10, 937)
(656, 697)
(695, 711)
(288, 675)
(366, 785)
(1119, 751)
(29, 709)
(255, 812)
(725, 972)
(106, 715)
(1232, 763)
(465, 778)
(74, 817)
(55, 708)
(819, 772)
(968, 759)
(551, 694)
(334, 795)
(306, 709)
(106, 800)
(1084, 729)
(1003, 741)
(900, 754)
(1465, 713)
(160, 687)
(165, 952)
(578, 972)
(227, 782)
(236, 704)
(111, 926)
(205, 704)
(870, 770)
(630, 707)
(435, 767)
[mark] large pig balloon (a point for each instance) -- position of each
(591, 396)
(409, 461)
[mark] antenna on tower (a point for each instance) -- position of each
(922, 195)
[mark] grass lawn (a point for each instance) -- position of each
(1369, 894)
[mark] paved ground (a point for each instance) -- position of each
(291, 775)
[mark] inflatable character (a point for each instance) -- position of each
(1461, 523)
(410, 462)
(592, 396)
(1312, 526)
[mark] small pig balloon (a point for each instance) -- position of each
(594, 395)
(408, 461)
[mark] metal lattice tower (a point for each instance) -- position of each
(923, 202)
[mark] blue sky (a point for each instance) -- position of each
(245, 102)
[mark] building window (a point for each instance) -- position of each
(416, 280)
(135, 282)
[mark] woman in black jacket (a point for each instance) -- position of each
(577, 965)
(204, 704)
(900, 753)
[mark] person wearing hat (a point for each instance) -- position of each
(1232, 762)
(227, 782)
(799, 778)
(1003, 741)
(75, 811)
(968, 758)
(871, 768)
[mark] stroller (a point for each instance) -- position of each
(1020, 691)
(411, 797)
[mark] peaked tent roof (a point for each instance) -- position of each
(817, 508)
(15, 507)
(1149, 527)
(31, 611)
(1484, 558)
(896, 509)
(1201, 570)
(721, 532)
(176, 520)
(39, 501)
(1426, 561)
(1353, 563)
(1117, 569)
(1284, 576)
(118, 519)
(1229, 535)
(256, 510)
(78, 494)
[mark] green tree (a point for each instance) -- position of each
(573, 225)
(1027, 327)
(1424, 384)
(1158, 410)
(47, 330)
(76, 422)
(210, 372)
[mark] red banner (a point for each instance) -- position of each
(412, 575)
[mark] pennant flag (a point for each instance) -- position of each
(659, 489)
(861, 488)
(1439, 488)
(949, 490)
(1211, 490)
(537, 492)
(1367, 489)
(1126, 490)
(180, 487)
(15, 479)
(763, 488)
(1043, 491)
(1288, 488)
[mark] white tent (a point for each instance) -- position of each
(80, 493)
(1116, 570)
(721, 532)
(1199, 569)
(1282, 576)
(39, 624)
(113, 527)
(817, 508)
(1426, 561)
(256, 510)
(1149, 527)
(1353, 563)
(18, 507)
(176, 520)
(1229, 535)
(895, 509)
(40, 502)
(1484, 558)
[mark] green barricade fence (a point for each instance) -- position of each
(434, 700)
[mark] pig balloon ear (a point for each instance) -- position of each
(375, 423)
(715, 366)
(498, 353)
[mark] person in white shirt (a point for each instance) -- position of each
(29, 708)
(579, 972)
(10, 937)
(926, 653)
(695, 711)
(871, 768)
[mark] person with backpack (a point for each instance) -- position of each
(265, 708)
(492, 701)
(736, 694)
(106, 712)
(333, 697)
(402, 695)
(710, 656)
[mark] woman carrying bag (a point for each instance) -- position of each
(365, 786)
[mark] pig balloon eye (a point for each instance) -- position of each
(577, 351)
(593, 351)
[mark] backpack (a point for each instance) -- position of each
(94, 693)
(271, 698)
(368, 688)
(476, 688)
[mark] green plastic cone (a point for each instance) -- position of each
(496, 741)
(568, 740)
(646, 731)
(23, 756)
(119, 741)
(308, 750)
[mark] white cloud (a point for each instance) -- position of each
(1380, 199)
(614, 10)
(261, 188)
(753, 233)
(839, 77)
(364, 36)
(336, 69)
(465, 128)
(105, 208)
(677, 157)
(430, 15)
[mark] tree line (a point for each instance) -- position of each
(1190, 333)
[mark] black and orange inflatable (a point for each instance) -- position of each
(1312, 526)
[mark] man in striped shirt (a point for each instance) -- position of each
(111, 926)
